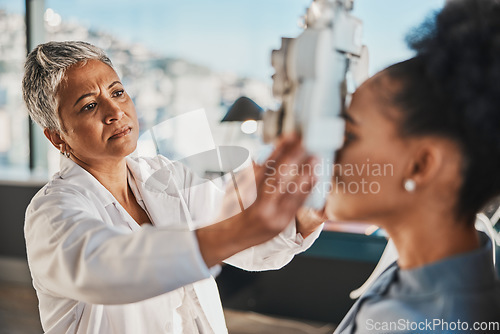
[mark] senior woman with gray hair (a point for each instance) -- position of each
(111, 253)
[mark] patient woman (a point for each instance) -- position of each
(436, 119)
(109, 243)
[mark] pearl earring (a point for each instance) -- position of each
(410, 185)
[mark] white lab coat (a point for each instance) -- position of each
(96, 271)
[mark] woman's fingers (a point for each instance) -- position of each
(285, 146)
(283, 184)
(298, 188)
(289, 166)
(282, 205)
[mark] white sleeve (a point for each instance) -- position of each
(275, 253)
(204, 198)
(74, 254)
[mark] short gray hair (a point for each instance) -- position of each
(44, 70)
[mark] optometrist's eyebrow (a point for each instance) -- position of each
(114, 83)
(84, 96)
(93, 93)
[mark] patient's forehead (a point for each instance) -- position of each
(377, 95)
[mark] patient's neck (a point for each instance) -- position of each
(425, 238)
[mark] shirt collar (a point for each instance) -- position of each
(151, 174)
(468, 271)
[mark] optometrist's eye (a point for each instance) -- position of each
(89, 107)
(119, 93)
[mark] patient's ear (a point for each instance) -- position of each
(426, 163)
(55, 138)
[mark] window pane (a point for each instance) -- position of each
(386, 24)
(177, 56)
(14, 153)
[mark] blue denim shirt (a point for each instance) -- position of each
(459, 294)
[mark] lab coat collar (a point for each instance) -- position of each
(149, 177)
(151, 182)
(75, 174)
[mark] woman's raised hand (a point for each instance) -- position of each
(283, 183)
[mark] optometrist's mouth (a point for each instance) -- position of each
(121, 132)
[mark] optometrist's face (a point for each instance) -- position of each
(97, 115)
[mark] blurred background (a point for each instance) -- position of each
(175, 57)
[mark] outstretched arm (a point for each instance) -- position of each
(272, 210)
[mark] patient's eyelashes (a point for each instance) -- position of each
(349, 137)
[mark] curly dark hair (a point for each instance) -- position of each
(451, 88)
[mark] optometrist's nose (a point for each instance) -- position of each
(113, 113)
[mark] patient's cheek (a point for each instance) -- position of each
(344, 206)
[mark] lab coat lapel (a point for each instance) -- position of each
(157, 188)
(157, 191)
